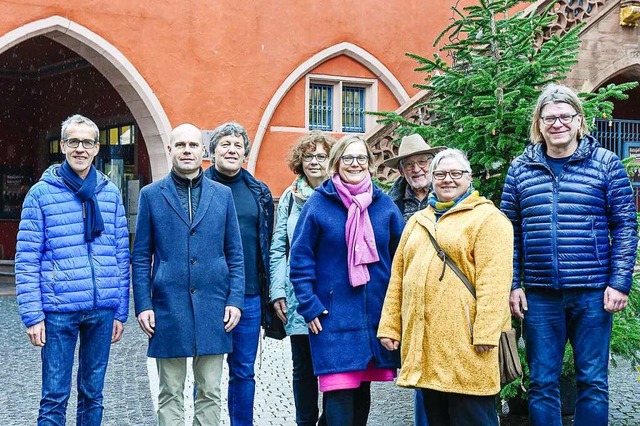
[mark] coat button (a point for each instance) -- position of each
(193, 261)
(193, 232)
(193, 290)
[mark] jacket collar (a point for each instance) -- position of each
(252, 183)
(586, 146)
(427, 218)
(169, 192)
(52, 177)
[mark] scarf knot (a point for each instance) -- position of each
(301, 190)
(85, 191)
(441, 207)
(359, 235)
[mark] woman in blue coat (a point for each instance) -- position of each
(340, 266)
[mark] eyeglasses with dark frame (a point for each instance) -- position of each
(422, 163)
(455, 174)
(550, 120)
(360, 159)
(86, 143)
(320, 158)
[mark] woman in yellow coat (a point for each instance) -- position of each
(449, 338)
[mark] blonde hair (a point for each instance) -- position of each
(340, 147)
(555, 93)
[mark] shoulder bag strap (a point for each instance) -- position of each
(286, 244)
(447, 261)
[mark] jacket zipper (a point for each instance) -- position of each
(93, 273)
(190, 206)
(554, 233)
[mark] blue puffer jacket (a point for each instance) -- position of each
(56, 270)
(576, 230)
(320, 278)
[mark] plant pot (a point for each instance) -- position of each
(568, 391)
(518, 406)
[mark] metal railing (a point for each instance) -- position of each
(612, 134)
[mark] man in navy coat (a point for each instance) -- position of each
(229, 147)
(188, 278)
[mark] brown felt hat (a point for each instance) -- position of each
(412, 145)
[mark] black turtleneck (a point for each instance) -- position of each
(188, 192)
(248, 219)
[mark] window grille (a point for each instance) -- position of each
(352, 109)
(320, 107)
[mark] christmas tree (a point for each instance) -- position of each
(484, 83)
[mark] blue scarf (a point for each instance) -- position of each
(441, 207)
(85, 190)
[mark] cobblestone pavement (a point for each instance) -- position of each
(131, 384)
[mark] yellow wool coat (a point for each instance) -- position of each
(437, 321)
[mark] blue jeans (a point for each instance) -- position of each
(62, 329)
(348, 407)
(305, 383)
(419, 413)
(242, 385)
(454, 409)
(579, 316)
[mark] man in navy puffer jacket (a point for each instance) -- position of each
(574, 219)
(72, 274)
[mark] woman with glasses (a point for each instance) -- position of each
(340, 266)
(447, 337)
(307, 160)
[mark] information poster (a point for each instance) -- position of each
(14, 188)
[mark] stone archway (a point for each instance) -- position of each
(116, 68)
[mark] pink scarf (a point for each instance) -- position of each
(361, 241)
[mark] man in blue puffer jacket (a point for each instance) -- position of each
(72, 274)
(574, 219)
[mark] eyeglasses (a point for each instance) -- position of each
(307, 158)
(423, 163)
(550, 120)
(361, 159)
(455, 174)
(74, 143)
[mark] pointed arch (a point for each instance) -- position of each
(348, 49)
(116, 68)
(622, 65)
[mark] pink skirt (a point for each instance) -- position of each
(352, 379)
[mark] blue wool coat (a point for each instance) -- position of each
(187, 272)
(318, 271)
(56, 269)
(576, 230)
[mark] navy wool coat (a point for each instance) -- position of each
(187, 272)
(318, 272)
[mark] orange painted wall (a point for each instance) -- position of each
(209, 62)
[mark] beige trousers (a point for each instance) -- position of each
(172, 372)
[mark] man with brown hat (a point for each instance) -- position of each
(410, 193)
(411, 189)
